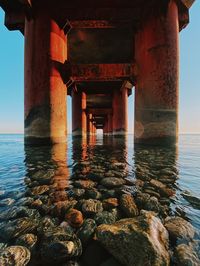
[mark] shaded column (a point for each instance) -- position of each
(120, 111)
(110, 124)
(156, 95)
(45, 92)
(79, 117)
(105, 128)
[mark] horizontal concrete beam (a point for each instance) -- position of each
(99, 111)
(101, 72)
(100, 24)
(15, 20)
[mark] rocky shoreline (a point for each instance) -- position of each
(100, 216)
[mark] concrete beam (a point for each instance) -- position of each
(15, 20)
(101, 72)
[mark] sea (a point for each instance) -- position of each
(39, 178)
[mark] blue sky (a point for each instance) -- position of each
(12, 80)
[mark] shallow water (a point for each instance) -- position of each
(58, 168)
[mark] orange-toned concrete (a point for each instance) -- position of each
(45, 92)
(79, 116)
(120, 111)
(156, 96)
(89, 124)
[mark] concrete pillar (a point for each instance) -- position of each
(156, 95)
(45, 92)
(120, 111)
(79, 117)
(105, 128)
(110, 124)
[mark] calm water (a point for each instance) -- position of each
(23, 169)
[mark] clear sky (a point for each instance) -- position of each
(11, 79)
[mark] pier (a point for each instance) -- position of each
(98, 52)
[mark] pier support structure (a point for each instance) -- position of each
(107, 51)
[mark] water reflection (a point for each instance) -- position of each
(70, 189)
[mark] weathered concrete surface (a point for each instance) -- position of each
(45, 92)
(156, 97)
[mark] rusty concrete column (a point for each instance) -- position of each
(45, 92)
(89, 124)
(110, 124)
(79, 117)
(105, 128)
(120, 111)
(156, 96)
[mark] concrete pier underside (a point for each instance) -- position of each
(96, 52)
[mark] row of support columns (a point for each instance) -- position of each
(115, 121)
(156, 95)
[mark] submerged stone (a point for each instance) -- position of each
(91, 206)
(27, 240)
(128, 206)
(179, 228)
(87, 230)
(142, 240)
(111, 182)
(74, 218)
(185, 255)
(15, 256)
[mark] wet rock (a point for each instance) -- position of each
(85, 184)
(152, 193)
(16, 228)
(39, 190)
(108, 193)
(78, 192)
(110, 203)
(36, 203)
(193, 200)
(15, 256)
(91, 206)
(27, 240)
(105, 217)
(142, 199)
(179, 228)
(162, 188)
(45, 224)
(25, 201)
(186, 256)
(152, 205)
(67, 228)
(86, 232)
(60, 251)
(74, 218)
(6, 202)
(111, 182)
(128, 206)
(93, 193)
(57, 245)
(61, 207)
(146, 230)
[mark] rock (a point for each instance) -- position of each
(142, 240)
(2, 245)
(45, 224)
(85, 184)
(111, 182)
(193, 200)
(27, 240)
(6, 202)
(39, 190)
(91, 206)
(74, 218)
(110, 203)
(179, 228)
(60, 251)
(94, 254)
(15, 256)
(78, 192)
(61, 207)
(162, 188)
(25, 201)
(186, 256)
(57, 245)
(105, 217)
(142, 199)
(86, 232)
(152, 205)
(93, 193)
(128, 206)
(16, 228)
